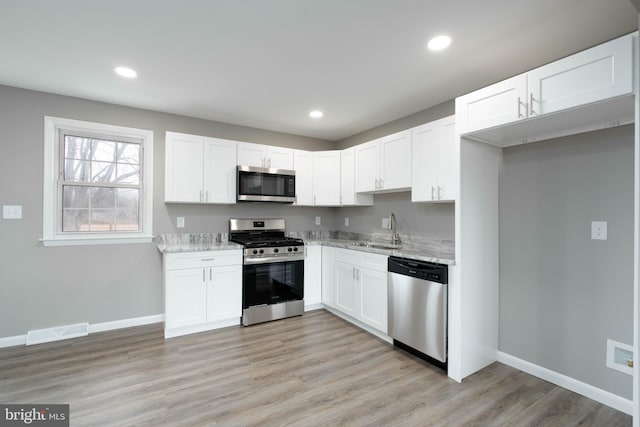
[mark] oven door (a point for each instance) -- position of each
(266, 185)
(272, 283)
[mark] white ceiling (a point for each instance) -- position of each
(267, 63)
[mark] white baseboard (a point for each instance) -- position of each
(372, 331)
(311, 307)
(584, 389)
(193, 329)
(92, 328)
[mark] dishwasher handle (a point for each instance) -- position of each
(424, 270)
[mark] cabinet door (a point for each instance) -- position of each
(251, 154)
(348, 195)
(347, 293)
(447, 167)
(602, 72)
(373, 298)
(312, 275)
(303, 164)
(328, 276)
(183, 168)
(494, 105)
(367, 167)
(224, 293)
(326, 178)
(219, 171)
(424, 149)
(185, 298)
(395, 152)
(279, 158)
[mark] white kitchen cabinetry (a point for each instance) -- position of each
(328, 276)
(361, 287)
(199, 169)
(312, 277)
(265, 156)
(576, 85)
(326, 178)
(203, 290)
(303, 165)
(348, 195)
(317, 178)
(434, 166)
(384, 165)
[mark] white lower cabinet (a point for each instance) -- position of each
(328, 280)
(361, 287)
(203, 290)
(312, 277)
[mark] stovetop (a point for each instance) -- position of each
(256, 241)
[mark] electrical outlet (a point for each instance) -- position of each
(386, 223)
(180, 222)
(346, 221)
(599, 230)
(317, 220)
(11, 212)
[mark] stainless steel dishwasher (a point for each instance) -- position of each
(418, 308)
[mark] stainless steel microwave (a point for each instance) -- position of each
(257, 184)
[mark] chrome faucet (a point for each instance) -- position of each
(395, 238)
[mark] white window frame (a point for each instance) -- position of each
(51, 229)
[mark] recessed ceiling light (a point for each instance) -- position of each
(126, 72)
(439, 43)
(316, 114)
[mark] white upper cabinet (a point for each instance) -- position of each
(434, 167)
(588, 87)
(199, 169)
(326, 178)
(384, 165)
(264, 156)
(348, 195)
(303, 165)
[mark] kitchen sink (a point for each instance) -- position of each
(376, 245)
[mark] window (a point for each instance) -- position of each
(97, 183)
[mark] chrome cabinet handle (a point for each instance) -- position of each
(204, 279)
(439, 193)
(207, 259)
(531, 111)
(520, 116)
(200, 195)
(376, 184)
(381, 184)
(206, 196)
(211, 274)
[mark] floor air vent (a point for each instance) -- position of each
(56, 334)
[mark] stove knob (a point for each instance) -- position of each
(261, 251)
(295, 249)
(289, 249)
(275, 251)
(255, 251)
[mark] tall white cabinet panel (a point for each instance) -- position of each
(384, 164)
(326, 178)
(313, 277)
(373, 298)
(265, 156)
(348, 195)
(500, 103)
(199, 169)
(347, 289)
(602, 72)
(434, 161)
(395, 166)
(328, 276)
(303, 165)
(183, 168)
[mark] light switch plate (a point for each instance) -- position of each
(346, 221)
(180, 222)
(317, 220)
(385, 223)
(12, 212)
(599, 230)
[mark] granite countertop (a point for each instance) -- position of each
(193, 242)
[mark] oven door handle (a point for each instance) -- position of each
(273, 259)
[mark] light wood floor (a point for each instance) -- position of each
(312, 370)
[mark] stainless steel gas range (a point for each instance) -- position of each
(273, 270)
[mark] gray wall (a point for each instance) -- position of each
(561, 293)
(45, 287)
(413, 219)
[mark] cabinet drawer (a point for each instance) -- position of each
(373, 261)
(178, 261)
(347, 256)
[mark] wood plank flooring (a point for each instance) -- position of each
(314, 370)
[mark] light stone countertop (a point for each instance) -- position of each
(194, 242)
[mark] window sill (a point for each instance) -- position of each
(84, 241)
